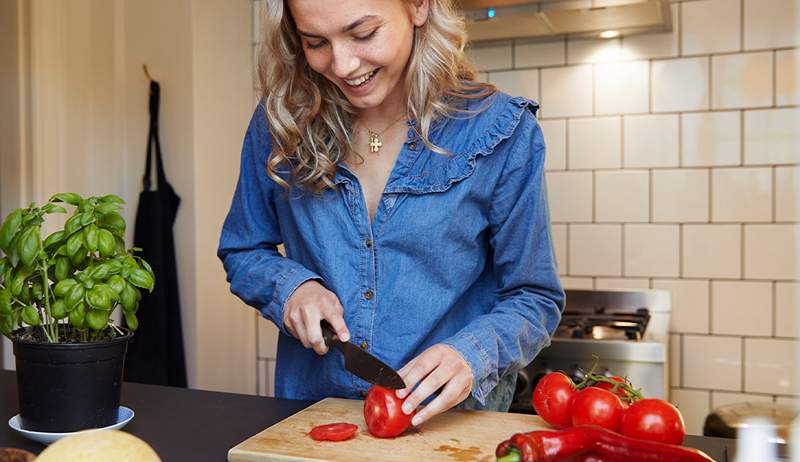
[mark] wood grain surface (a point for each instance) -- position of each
(455, 436)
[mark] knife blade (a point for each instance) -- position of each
(362, 364)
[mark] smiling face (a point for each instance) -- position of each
(361, 46)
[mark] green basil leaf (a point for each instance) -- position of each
(112, 221)
(73, 223)
(128, 297)
(86, 218)
(98, 298)
(105, 242)
(141, 278)
(114, 266)
(88, 283)
(90, 237)
(111, 198)
(53, 208)
(99, 272)
(116, 283)
(37, 293)
(78, 260)
(74, 296)
(63, 268)
(7, 325)
(147, 268)
(62, 288)
(10, 228)
(74, 244)
(17, 283)
(69, 198)
(54, 239)
(31, 316)
(5, 302)
(77, 316)
(58, 309)
(131, 320)
(29, 245)
(107, 208)
(97, 319)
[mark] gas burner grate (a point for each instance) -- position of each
(603, 326)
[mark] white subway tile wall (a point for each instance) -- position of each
(672, 164)
(680, 195)
(622, 196)
(651, 141)
(720, 365)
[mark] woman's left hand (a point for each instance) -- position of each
(438, 366)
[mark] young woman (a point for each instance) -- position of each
(410, 200)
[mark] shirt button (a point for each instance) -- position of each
(363, 344)
(368, 295)
(412, 146)
(368, 243)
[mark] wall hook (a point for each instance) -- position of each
(146, 72)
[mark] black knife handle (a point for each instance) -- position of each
(328, 334)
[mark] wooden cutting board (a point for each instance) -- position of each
(455, 436)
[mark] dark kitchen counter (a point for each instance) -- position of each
(198, 426)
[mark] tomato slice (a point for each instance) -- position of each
(339, 431)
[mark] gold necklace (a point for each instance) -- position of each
(375, 142)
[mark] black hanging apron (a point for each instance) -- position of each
(155, 355)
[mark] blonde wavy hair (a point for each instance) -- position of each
(309, 118)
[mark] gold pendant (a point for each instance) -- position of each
(374, 142)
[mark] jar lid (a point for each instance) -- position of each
(780, 415)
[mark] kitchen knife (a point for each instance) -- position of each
(362, 364)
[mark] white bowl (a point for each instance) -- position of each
(124, 415)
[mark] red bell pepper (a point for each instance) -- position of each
(589, 442)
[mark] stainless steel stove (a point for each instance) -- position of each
(627, 330)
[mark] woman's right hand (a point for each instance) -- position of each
(310, 303)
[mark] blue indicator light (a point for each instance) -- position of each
(490, 13)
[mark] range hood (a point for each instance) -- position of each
(507, 19)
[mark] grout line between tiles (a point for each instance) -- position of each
(710, 313)
(710, 83)
(741, 137)
(742, 251)
(774, 309)
(774, 192)
(710, 173)
(774, 78)
(741, 26)
(680, 251)
(681, 363)
(743, 366)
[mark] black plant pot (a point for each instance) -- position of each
(65, 387)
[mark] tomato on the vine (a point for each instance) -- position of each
(333, 432)
(655, 420)
(552, 399)
(626, 396)
(384, 414)
(596, 406)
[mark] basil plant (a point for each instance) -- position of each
(69, 283)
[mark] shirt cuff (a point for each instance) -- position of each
(470, 349)
(284, 288)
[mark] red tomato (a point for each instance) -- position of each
(608, 386)
(383, 413)
(596, 406)
(333, 432)
(552, 398)
(655, 420)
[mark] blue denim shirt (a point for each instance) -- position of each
(459, 252)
